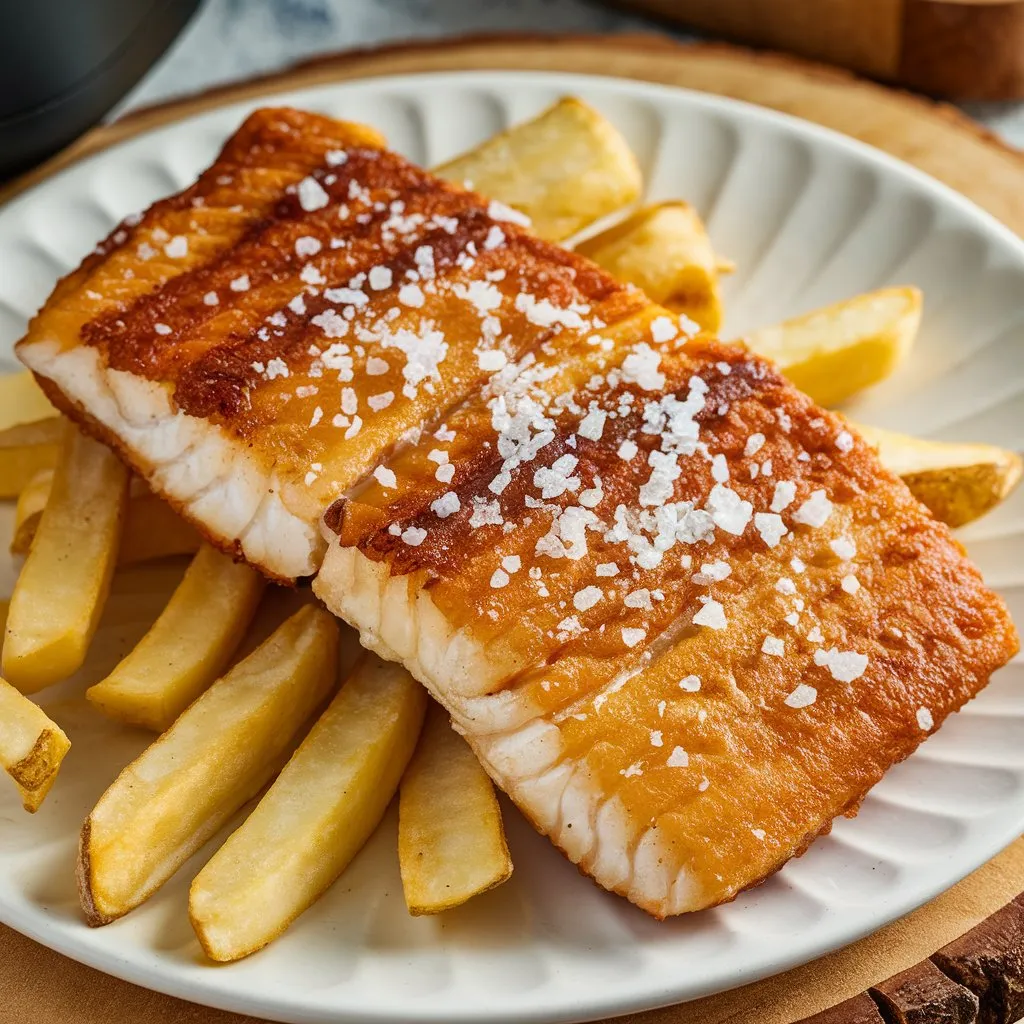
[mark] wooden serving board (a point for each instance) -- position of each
(38, 986)
(964, 49)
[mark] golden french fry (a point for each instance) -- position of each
(188, 646)
(29, 510)
(64, 583)
(25, 449)
(217, 756)
(564, 169)
(834, 352)
(152, 529)
(665, 251)
(957, 482)
(451, 843)
(31, 746)
(315, 818)
(22, 400)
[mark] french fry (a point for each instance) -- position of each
(152, 529)
(187, 647)
(64, 583)
(665, 251)
(22, 400)
(31, 746)
(217, 756)
(315, 818)
(565, 169)
(957, 482)
(29, 510)
(834, 352)
(451, 843)
(25, 449)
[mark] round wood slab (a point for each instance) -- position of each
(40, 987)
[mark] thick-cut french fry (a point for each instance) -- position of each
(152, 529)
(665, 251)
(25, 449)
(565, 169)
(31, 746)
(187, 647)
(315, 818)
(834, 352)
(29, 510)
(958, 482)
(22, 400)
(451, 844)
(64, 583)
(218, 755)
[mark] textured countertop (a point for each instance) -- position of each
(232, 39)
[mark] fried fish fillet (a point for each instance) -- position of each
(683, 616)
(251, 345)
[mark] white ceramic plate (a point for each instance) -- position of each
(809, 217)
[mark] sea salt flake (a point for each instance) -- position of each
(850, 583)
(586, 598)
(679, 758)
(844, 440)
(663, 329)
(385, 477)
(411, 295)
(843, 547)
(210, 299)
(607, 569)
(845, 666)
(729, 512)
(380, 278)
(633, 769)
(771, 527)
(499, 211)
(414, 536)
(162, 329)
(495, 237)
(491, 360)
(784, 585)
(177, 247)
(639, 599)
(627, 450)
(656, 740)
(758, 833)
(631, 636)
(307, 245)
(774, 646)
(277, 367)
(511, 563)
(240, 283)
(754, 444)
(381, 401)
(499, 579)
(815, 511)
(448, 504)
(785, 492)
(376, 367)
(802, 697)
(312, 195)
(924, 719)
(711, 615)
(592, 425)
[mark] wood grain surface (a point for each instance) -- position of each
(962, 49)
(980, 953)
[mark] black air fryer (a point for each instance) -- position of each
(65, 63)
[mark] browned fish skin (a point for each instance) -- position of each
(684, 617)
